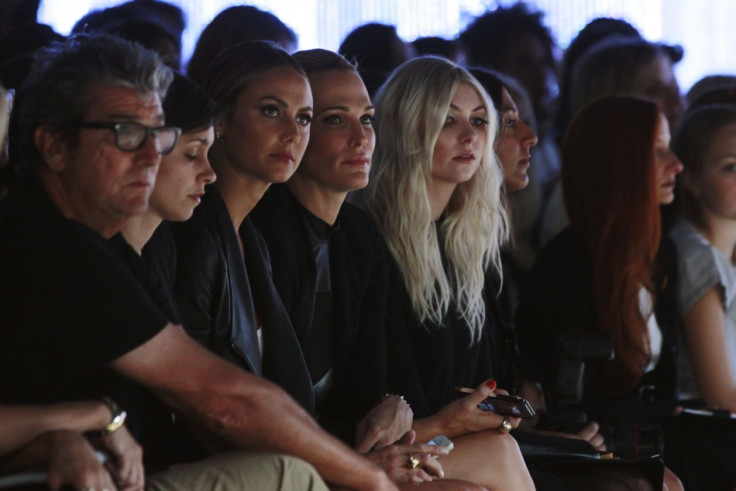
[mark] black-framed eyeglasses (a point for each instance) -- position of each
(131, 137)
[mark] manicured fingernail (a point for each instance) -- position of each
(491, 384)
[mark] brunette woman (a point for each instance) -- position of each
(706, 240)
(224, 289)
(182, 175)
(601, 274)
(149, 249)
(514, 150)
(516, 138)
(436, 197)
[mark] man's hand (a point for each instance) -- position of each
(128, 459)
(396, 460)
(73, 462)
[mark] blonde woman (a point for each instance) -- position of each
(436, 197)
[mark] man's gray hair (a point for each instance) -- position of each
(55, 92)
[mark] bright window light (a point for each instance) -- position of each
(703, 28)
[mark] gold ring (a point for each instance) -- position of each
(505, 425)
(413, 461)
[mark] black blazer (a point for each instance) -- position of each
(358, 276)
(221, 298)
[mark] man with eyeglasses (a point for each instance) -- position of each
(73, 315)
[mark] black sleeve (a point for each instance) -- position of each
(557, 299)
(198, 282)
(365, 379)
(160, 253)
(401, 368)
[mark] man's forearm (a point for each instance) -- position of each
(272, 421)
(246, 411)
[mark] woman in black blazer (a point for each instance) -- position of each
(223, 285)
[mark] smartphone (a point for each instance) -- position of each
(442, 441)
(517, 407)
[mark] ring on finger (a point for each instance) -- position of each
(505, 425)
(413, 461)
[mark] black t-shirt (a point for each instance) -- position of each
(154, 277)
(69, 304)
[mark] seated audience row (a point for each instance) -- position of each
(61, 249)
(362, 321)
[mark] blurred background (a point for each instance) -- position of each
(704, 28)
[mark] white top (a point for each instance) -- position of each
(701, 266)
(655, 333)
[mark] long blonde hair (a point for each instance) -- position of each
(411, 109)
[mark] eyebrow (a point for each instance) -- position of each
(134, 118)
(203, 141)
(479, 108)
(282, 102)
(342, 108)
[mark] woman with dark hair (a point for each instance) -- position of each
(516, 138)
(513, 147)
(224, 289)
(183, 173)
(602, 274)
(182, 176)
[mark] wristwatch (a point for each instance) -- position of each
(118, 416)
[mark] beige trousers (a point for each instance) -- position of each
(239, 471)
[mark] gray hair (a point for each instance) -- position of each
(55, 92)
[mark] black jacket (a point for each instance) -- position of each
(358, 277)
(558, 299)
(222, 298)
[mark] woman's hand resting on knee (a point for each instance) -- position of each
(388, 421)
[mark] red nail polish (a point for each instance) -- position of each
(491, 384)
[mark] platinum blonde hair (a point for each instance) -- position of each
(411, 109)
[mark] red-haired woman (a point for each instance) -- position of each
(603, 273)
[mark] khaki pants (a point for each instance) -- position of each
(239, 471)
